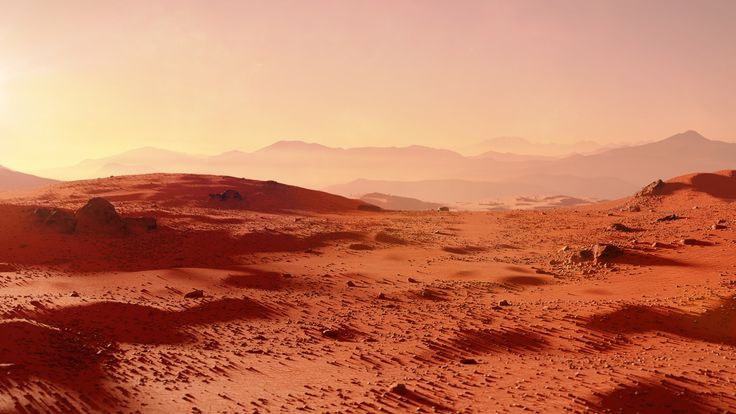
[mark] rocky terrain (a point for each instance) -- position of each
(289, 300)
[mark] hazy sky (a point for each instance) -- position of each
(82, 79)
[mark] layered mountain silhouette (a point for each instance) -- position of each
(518, 145)
(435, 175)
(14, 180)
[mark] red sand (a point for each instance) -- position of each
(100, 323)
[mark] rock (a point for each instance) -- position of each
(621, 227)
(443, 209)
(468, 361)
(195, 294)
(227, 195)
(330, 333)
(565, 248)
(42, 213)
(504, 302)
(582, 255)
(670, 217)
(351, 283)
(689, 242)
(658, 245)
(381, 296)
(398, 388)
(651, 189)
(74, 294)
(412, 280)
(61, 221)
(634, 208)
(99, 216)
(718, 227)
(426, 293)
(606, 252)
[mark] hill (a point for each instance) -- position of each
(190, 190)
(13, 180)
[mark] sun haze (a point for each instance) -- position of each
(82, 79)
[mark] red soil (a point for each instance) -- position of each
(471, 312)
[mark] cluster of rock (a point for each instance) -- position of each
(98, 216)
(599, 253)
(227, 195)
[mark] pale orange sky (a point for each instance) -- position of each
(82, 79)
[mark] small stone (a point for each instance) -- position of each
(468, 361)
(398, 388)
(504, 302)
(621, 227)
(330, 333)
(351, 283)
(412, 280)
(381, 296)
(195, 294)
(74, 294)
(670, 217)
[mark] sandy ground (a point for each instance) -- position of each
(340, 310)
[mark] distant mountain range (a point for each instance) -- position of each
(12, 180)
(392, 202)
(435, 175)
(521, 146)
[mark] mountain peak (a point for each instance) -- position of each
(293, 145)
(687, 136)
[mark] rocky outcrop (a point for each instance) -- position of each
(606, 252)
(653, 188)
(99, 216)
(227, 195)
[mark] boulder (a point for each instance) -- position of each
(61, 221)
(99, 216)
(606, 252)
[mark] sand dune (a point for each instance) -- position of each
(298, 301)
